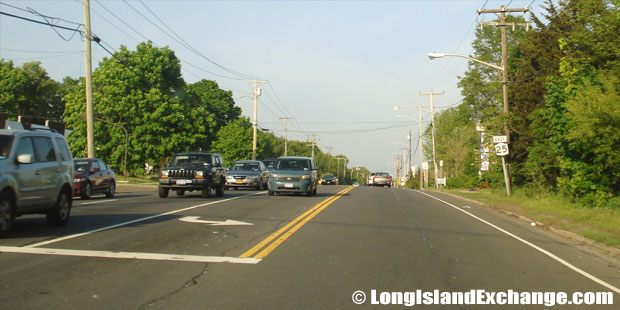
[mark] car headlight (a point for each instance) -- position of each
(253, 177)
(273, 176)
(199, 174)
(305, 177)
(230, 178)
(164, 173)
(78, 180)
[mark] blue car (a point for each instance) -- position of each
(294, 175)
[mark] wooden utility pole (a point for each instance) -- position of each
(90, 135)
(257, 91)
(285, 118)
(329, 167)
(313, 141)
(502, 23)
(431, 94)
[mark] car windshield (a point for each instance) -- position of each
(244, 167)
(329, 177)
(190, 160)
(5, 146)
(382, 174)
(293, 164)
(80, 165)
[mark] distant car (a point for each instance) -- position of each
(370, 179)
(269, 162)
(247, 173)
(36, 175)
(294, 175)
(381, 179)
(92, 176)
(329, 179)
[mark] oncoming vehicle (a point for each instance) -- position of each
(247, 173)
(36, 176)
(329, 179)
(294, 175)
(92, 176)
(381, 179)
(199, 171)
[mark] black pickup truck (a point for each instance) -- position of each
(201, 171)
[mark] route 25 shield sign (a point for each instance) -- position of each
(501, 149)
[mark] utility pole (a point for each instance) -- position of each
(431, 94)
(421, 151)
(257, 92)
(313, 141)
(410, 169)
(285, 118)
(329, 167)
(337, 170)
(90, 135)
(502, 23)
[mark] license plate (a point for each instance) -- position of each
(183, 182)
(239, 181)
(288, 185)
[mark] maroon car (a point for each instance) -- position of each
(92, 176)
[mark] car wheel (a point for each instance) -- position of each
(206, 191)
(112, 191)
(6, 214)
(219, 190)
(180, 192)
(59, 215)
(163, 192)
(88, 191)
(314, 192)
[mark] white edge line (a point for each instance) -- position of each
(131, 255)
(558, 259)
(134, 221)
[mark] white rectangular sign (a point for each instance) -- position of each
(500, 139)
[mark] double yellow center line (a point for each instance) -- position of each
(283, 233)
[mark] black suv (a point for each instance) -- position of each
(193, 171)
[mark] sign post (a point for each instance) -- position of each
(501, 149)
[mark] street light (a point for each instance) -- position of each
(504, 70)
(432, 56)
(83, 116)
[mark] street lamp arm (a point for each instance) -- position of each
(409, 117)
(432, 56)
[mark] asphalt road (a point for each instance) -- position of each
(137, 251)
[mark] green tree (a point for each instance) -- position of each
(234, 141)
(138, 91)
(29, 91)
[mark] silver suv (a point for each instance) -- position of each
(36, 176)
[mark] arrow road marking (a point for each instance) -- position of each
(195, 219)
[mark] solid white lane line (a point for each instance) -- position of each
(135, 221)
(94, 202)
(131, 255)
(553, 256)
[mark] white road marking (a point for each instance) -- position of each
(553, 256)
(195, 219)
(135, 221)
(131, 255)
(94, 202)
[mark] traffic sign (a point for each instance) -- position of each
(501, 149)
(500, 139)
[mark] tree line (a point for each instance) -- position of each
(142, 93)
(564, 98)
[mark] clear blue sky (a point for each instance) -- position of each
(337, 67)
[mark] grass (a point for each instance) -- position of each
(136, 179)
(598, 224)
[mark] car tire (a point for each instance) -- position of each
(219, 190)
(315, 191)
(180, 192)
(163, 192)
(206, 191)
(112, 191)
(7, 216)
(59, 215)
(87, 192)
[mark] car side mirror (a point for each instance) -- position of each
(207, 165)
(24, 159)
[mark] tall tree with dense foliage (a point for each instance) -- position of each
(138, 90)
(29, 91)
